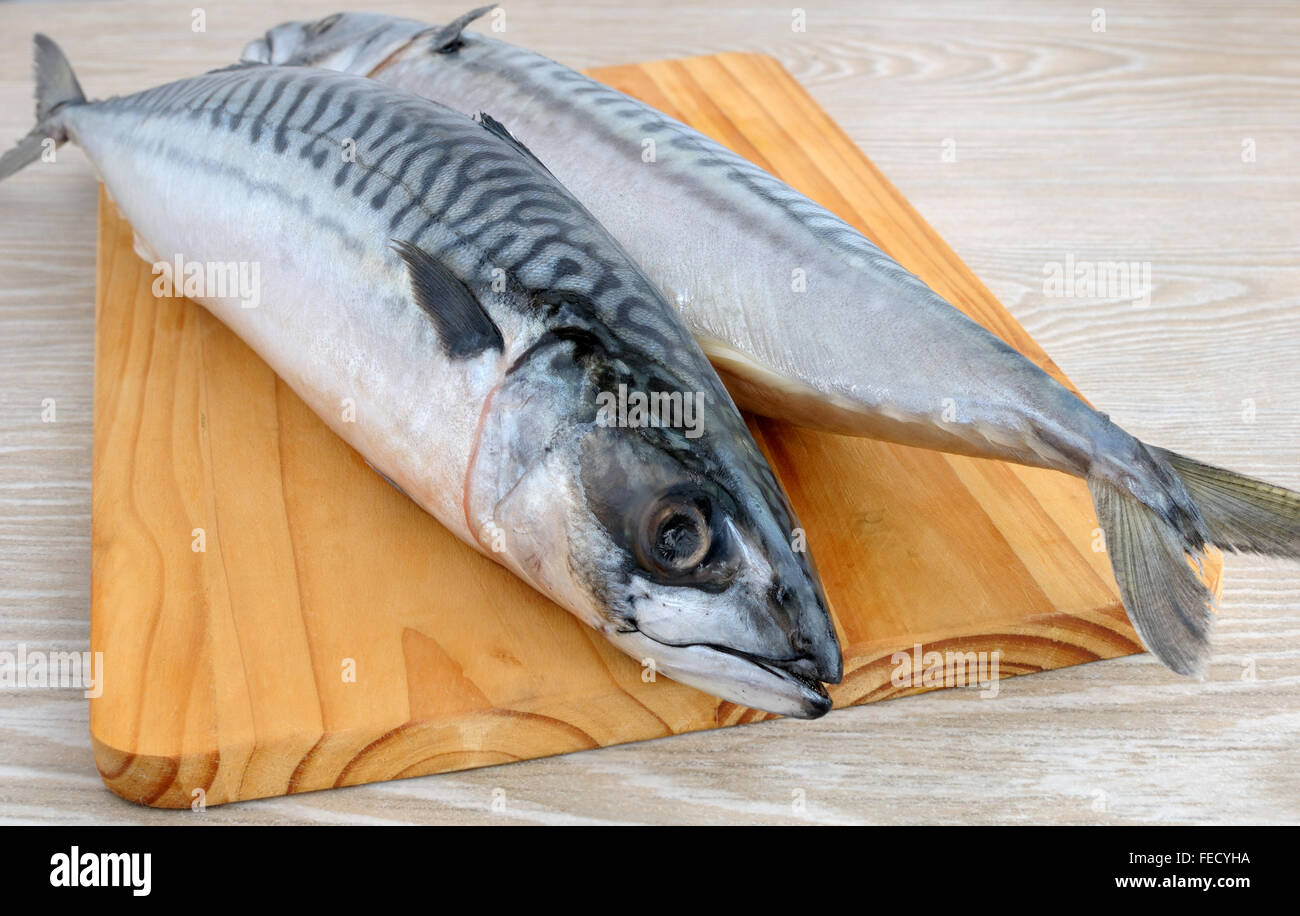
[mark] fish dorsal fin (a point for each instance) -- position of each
(496, 127)
(447, 39)
(464, 327)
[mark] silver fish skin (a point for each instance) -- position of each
(417, 264)
(865, 349)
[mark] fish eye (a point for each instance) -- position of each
(676, 536)
(321, 26)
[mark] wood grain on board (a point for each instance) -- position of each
(330, 633)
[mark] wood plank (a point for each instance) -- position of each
(225, 668)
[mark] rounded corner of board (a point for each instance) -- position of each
(154, 780)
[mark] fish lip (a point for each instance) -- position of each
(816, 701)
(808, 669)
(784, 669)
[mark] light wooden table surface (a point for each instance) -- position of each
(1127, 144)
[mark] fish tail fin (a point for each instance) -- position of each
(56, 89)
(1157, 541)
(1243, 514)
(56, 84)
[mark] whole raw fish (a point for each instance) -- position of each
(866, 349)
(419, 263)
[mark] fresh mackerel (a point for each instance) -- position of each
(419, 265)
(865, 349)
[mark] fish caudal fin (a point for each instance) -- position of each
(1157, 553)
(1243, 514)
(56, 89)
(56, 84)
(1155, 564)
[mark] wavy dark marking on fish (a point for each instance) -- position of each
(480, 399)
(864, 347)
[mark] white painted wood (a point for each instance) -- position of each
(1122, 145)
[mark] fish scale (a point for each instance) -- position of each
(565, 257)
(860, 346)
(448, 308)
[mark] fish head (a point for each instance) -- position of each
(700, 574)
(348, 42)
(678, 544)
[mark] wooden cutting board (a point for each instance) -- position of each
(330, 633)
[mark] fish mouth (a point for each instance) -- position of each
(797, 670)
(786, 687)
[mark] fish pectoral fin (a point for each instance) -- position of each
(464, 327)
(496, 127)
